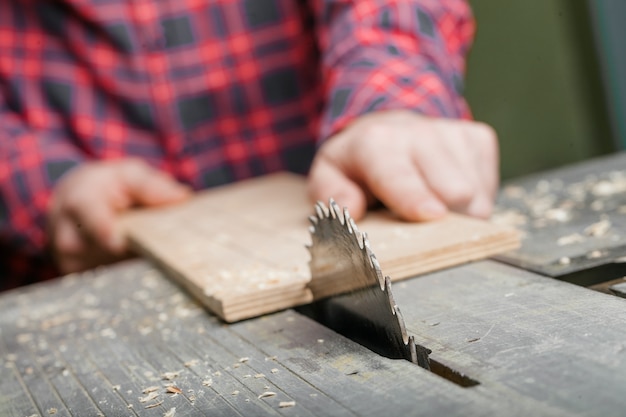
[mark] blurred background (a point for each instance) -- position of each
(545, 75)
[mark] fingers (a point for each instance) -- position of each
(87, 202)
(486, 163)
(327, 181)
(418, 167)
(460, 164)
(149, 187)
(399, 185)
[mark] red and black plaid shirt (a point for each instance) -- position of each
(211, 91)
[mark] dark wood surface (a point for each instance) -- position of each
(563, 203)
(91, 344)
(523, 335)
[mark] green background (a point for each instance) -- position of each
(533, 75)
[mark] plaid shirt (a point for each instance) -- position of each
(212, 91)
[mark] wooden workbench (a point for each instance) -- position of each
(125, 341)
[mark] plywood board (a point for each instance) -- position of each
(240, 249)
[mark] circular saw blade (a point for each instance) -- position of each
(341, 256)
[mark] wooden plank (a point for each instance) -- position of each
(517, 332)
(557, 211)
(240, 249)
(117, 331)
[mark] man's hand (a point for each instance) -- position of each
(419, 167)
(86, 202)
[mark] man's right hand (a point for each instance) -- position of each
(87, 201)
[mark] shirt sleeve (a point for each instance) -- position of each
(31, 163)
(392, 54)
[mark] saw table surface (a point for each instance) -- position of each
(126, 341)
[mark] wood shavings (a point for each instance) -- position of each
(52, 410)
(116, 387)
(514, 191)
(207, 382)
(570, 239)
(151, 396)
(266, 394)
(154, 404)
(170, 375)
(244, 359)
(217, 373)
(320, 340)
(173, 389)
(606, 188)
(150, 389)
(235, 392)
(270, 358)
(558, 214)
(257, 376)
(597, 205)
(595, 254)
(511, 218)
(274, 371)
(286, 404)
(598, 229)
(191, 363)
(170, 413)
(564, 260)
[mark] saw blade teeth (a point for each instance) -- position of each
(313, 220)
(387, 288)
(353, 225)
(335, 211)
(400, 319)
(396, 311)
(365, 242)
(360, 240)
(412, 349)
(320, 210)
(347, 220)
(374, 263)
(379, 273)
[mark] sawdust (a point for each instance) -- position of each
(151, 396)
(173, 389)
(154, 404)
(170, 375)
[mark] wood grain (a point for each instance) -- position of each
(523, 334)
(91, 344)
(555, 210)
(240, 249)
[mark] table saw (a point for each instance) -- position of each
(536, 331)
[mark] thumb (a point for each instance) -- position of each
(327, 181)
(150, 187)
